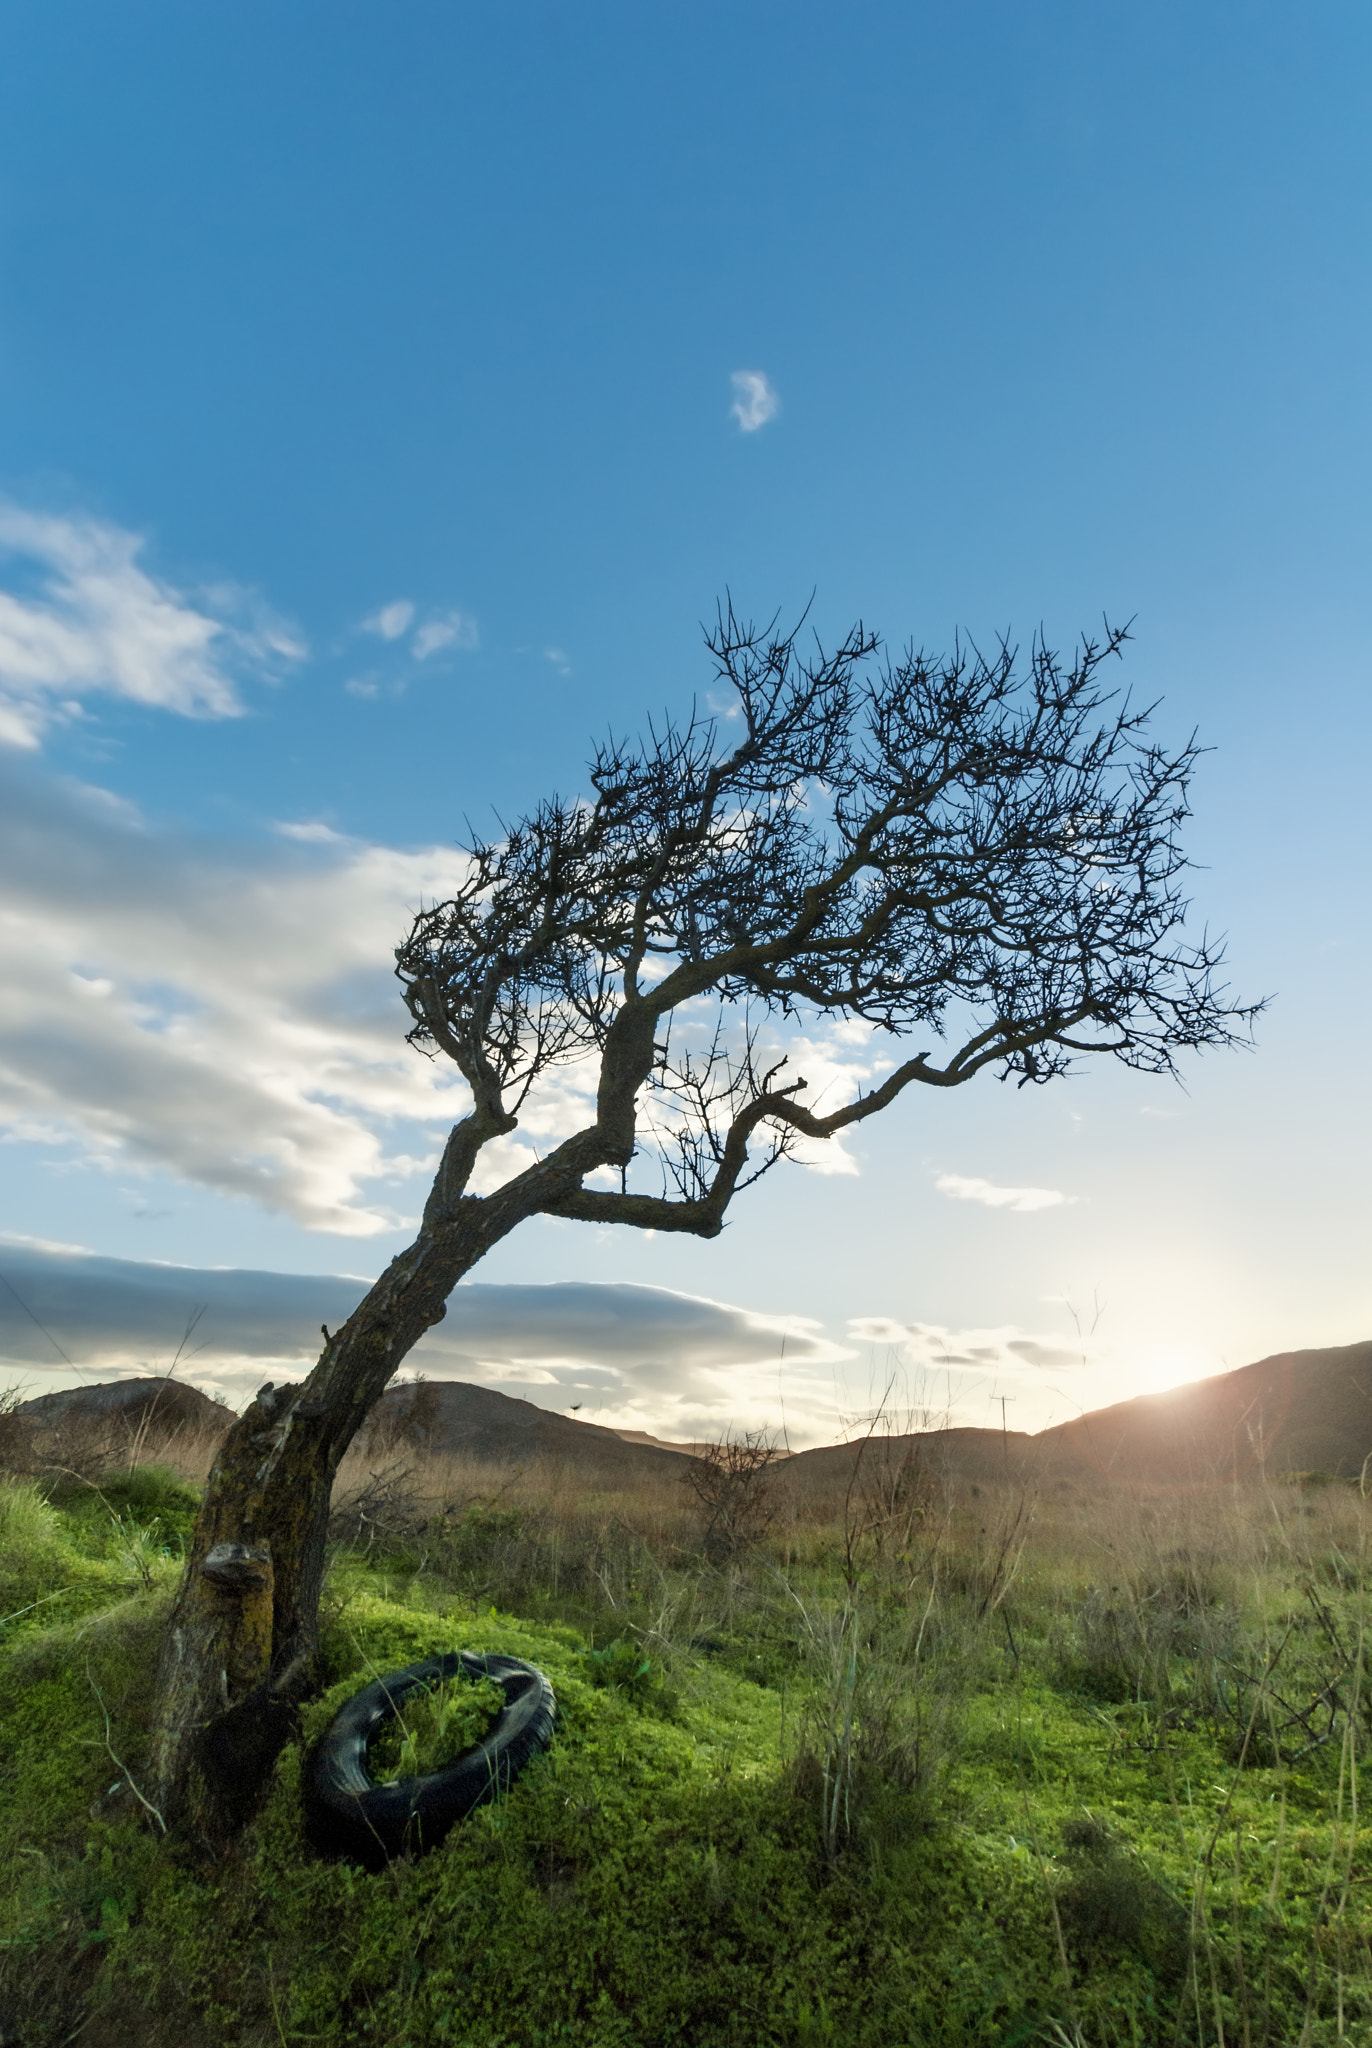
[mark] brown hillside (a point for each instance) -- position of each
(452, 1415)
(974, 1454)
(150, 1406)
(86, 1430)
(1300, 1411)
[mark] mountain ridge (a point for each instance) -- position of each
(1293, 1411)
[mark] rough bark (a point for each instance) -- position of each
(244, 1628)
(243, 1632)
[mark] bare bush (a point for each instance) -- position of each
(386, 1506)
(733, 1482)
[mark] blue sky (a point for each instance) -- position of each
(368, 443)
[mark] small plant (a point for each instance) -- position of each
(438, 1722)
(26, 1518)
(33, 1552)
(623, 1666)
(386, 1508)
(141, 1552)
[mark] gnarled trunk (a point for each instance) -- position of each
(243, 1632)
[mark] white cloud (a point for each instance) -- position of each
(675, 1364)
(311, 832)
(678, 1365)
(81, 617)
(445, 629)
(952, 1374)
(558, 657)
(755, 402)
(228, 1015)
(434, 633)
(839, 1057)
(967, 1188)
(393, 620)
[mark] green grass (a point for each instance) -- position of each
(433, 1728)
(931, 1799)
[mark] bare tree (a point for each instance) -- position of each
(977, 860)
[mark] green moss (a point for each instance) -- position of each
(1074, 1864)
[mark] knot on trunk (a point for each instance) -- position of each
(239, 1567)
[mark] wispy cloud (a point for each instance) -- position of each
(930, 1374)
(931, 1347)
(433, 633)
(967, 1188)
(312, 832)
(393, 621)
(755, 401)
(445, 629)
(80, 617)
(227, 1015)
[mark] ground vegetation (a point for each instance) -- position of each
(926, 1761)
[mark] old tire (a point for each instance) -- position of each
(348, 1814)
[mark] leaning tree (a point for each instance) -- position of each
(979, 860)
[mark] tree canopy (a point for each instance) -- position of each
(971, 851)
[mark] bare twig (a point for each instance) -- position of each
(121, 1767)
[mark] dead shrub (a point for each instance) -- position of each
(385, 1506)
(733, 1483)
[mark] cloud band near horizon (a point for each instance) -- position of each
(678, 1365)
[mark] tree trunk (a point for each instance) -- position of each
(243, 1633)
(244, 1628)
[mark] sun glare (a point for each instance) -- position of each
(1160, 1367)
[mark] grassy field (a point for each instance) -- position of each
(913, 1762)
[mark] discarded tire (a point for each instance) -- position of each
(348, 1814)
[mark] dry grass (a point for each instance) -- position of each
(86, 1448)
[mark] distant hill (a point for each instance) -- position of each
(478, 1422)
(1299, 1411)
(697, 1450)
(442, 1415)
(156, 1406)
(975, 1454)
